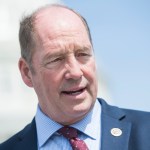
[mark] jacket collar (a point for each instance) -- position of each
(111, 117)
(28, 138)
(115, 130)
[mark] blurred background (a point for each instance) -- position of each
(121, 38)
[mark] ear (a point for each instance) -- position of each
(25, 72)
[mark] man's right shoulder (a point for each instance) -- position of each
(10, 143)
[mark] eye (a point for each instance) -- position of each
(56, 59)
(83, 54)
(54, 62)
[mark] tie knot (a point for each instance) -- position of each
(68, 132)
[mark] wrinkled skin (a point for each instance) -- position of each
(65, 73)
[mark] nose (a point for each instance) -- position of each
(73, 69)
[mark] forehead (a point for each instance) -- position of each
(56, 13)
(54, 21)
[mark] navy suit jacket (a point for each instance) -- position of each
(135, 127)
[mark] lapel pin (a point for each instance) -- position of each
(116, 132)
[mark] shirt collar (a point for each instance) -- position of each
(46, 127)
(90, 125)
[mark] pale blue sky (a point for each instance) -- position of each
(121, 37)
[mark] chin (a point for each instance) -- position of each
(82, 110)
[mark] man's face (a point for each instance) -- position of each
(65, 73)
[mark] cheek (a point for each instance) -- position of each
(52, 80)
(90, 70)
(91, 75)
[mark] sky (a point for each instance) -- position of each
(121, 36)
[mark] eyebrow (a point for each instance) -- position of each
(52, 55)
(61, 52)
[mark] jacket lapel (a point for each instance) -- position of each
(115, 131)
(27, 140)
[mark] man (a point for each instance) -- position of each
(57, 60)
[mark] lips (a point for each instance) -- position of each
(74, 92)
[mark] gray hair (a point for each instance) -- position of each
(28, 36)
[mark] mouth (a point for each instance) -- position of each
(74, 92)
